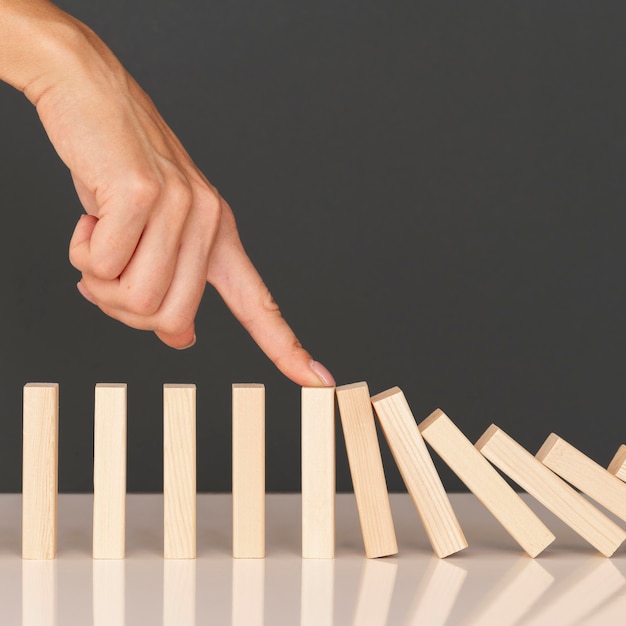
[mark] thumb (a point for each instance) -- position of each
(81, 240)
(239, 284)
(180, 342)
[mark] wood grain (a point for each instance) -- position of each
(40, 471)
(318, 472)
(618, 463)
(555, 494)
(584, 474)
(248, 471)
(418, 472)
(179, 471)
(485, 482)
(366, 469)
(109, 471)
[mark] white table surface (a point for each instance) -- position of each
(492, 582)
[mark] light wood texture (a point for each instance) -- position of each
(179, 471)
(485, 482)
(555, 494)
(318, 472)
(366, 468)
(40, 471)
(618, 464)
(248, 471)
(109, 471)
(109, 578)
(585, 474)
(419, 473)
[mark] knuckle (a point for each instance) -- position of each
(105, 267)
(174, 324)
(142, 190)
(268, 303)
(143, 304)
(179, 192)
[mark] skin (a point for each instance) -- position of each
(155, 229)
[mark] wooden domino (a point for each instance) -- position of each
(419, 473)
(485, 482)
(584, 474)
(318, 472)
(179, 471)
(618, 464)
(366, 468)
(248, 471)
(40, 471)
(109, 472)
(546, 487)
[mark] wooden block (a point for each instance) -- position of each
(179, 471)
(485, 482)
(40, 471)
(366, 468)
(586, 475)
(419, 473)
(248, 471)
(318, 472)
(109, 471)
(618, 464)
(556, 495)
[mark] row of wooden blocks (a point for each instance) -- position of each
(554, 476)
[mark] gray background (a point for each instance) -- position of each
(434, 192)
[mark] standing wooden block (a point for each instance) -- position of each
(586, 475)
(248, 471)
(618, 464)
(179, 471)
(109, 471)
(485, 482)
(419, 473)
(366, 468)
(318, 472)
(555, 494)
(40, 471)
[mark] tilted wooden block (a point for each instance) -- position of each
(419, 473)
(109, 471)
(555, 494)
(585, 474)
(318, 472)
(40, 471)
(485, 482)
(618, 464)
(248, 471)
(366, 469)
(179, 471)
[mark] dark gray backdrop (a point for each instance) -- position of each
(434, 192)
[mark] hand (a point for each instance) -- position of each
(156, 229)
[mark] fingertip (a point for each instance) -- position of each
(178, 342)
(322, 373)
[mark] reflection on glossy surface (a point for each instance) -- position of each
(436, 594)
(490, 584)
(39, 593)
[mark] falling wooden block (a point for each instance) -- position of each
(179, 471)
(555, 494)
(109, 471)
(618, 464)
(419, 473)
(366, 468)
(485, 482)
(248, 471)
(584, 474)
(40, 471)
(318, 472)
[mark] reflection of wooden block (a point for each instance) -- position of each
(318, 472)
(556, 495)
(419, 473)
(378, 579)
(248, 471)
(485, 482)
(40, 471)
(366, 468)
(109, 472)
(248, 595)
(179, 471)
(618, 464)
(579, 470)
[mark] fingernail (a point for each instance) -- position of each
(323, 374)
(85, 293)
(191, 345)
